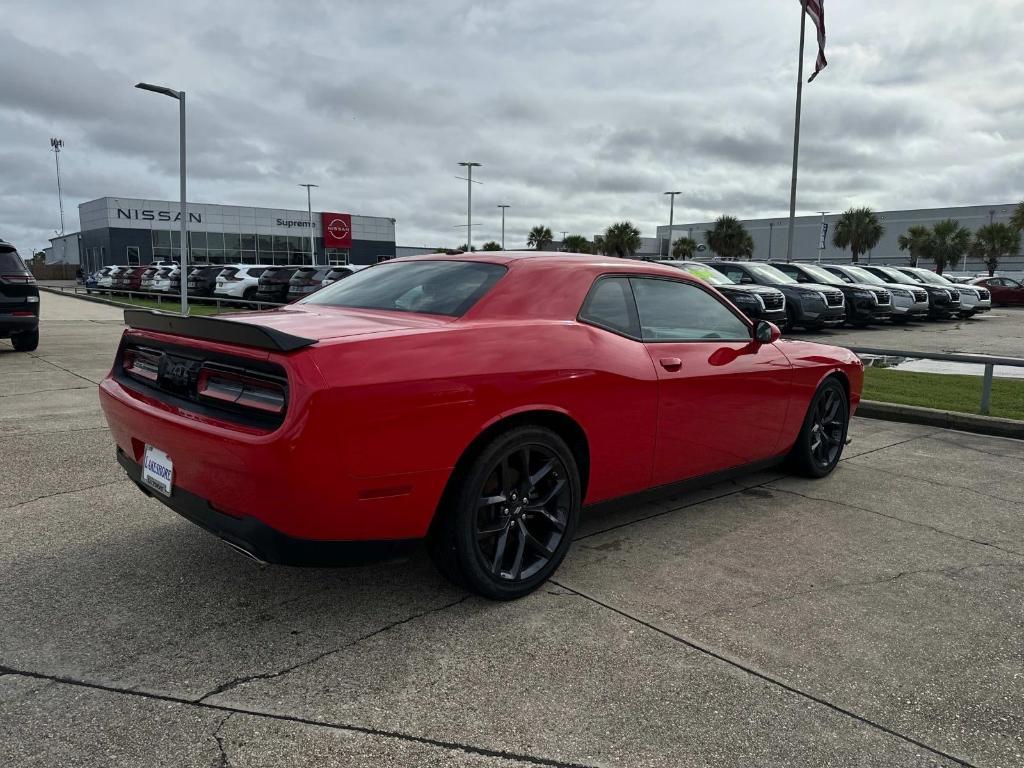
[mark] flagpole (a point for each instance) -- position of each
(796, 132)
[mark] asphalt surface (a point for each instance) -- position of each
(874, 618)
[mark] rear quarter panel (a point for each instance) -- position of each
(414, 402)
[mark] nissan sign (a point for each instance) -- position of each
(337, 229)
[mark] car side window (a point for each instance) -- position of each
(677, 311)
(841, 275)
(610, 305)
(734, 274)
(792, 271)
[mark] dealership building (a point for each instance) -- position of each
(120, 230)
(812, 235)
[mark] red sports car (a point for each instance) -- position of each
(476, 401)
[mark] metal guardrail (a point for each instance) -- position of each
(160, 297)
(988, 361)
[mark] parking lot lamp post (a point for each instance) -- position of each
(183, 258)
(671, 219)
(309, 213)
(469, 166)
(57, 144)
(503, 207)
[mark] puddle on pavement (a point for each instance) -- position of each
(938, 366)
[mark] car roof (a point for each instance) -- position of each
(539, 259)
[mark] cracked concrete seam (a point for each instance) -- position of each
(932, 481)
(238, 681)
(62, 368)
(941, 531)
(224, 761)
(64, 493)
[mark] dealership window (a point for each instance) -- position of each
(132, 254)
(337, 256)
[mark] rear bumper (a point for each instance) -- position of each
(11, 324)
(263, 542)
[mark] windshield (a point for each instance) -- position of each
(820, 274)
(431, 287)
(704, 272)
(925, 276)
(10, 261)
(863, 276)
(770, 274)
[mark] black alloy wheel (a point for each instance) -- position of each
(514, 518)
(26, 341)
(823, 436)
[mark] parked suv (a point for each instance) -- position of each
(758, 302)
(341, 272)
(942, 302)
(166, 280)
(865, 303)
(973, 298)
(130, 279)
(19, 301)
(909, 301)
(203, 280)
(809, 305)
(239, 282)
(305, 281)
(273, 284)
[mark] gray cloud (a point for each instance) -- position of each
(581, 112)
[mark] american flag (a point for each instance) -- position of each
(816, 10)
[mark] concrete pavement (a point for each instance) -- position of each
(872, 619)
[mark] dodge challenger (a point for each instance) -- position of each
(476, 401)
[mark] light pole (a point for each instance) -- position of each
(771, 227)
(183, 259)
(469, 166)
(309, 213)
(57, 144)
(824, 232)
(671, 219)
(503, 207)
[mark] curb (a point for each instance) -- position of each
(932, 417)
(86, 297)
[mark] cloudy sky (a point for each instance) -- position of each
(581, 111)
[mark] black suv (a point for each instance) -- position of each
(273, 284)
(809, 305)
(865, 303)
(758, 302)
(203, 280)
(19, 301)
(305, 281)
(942, 302)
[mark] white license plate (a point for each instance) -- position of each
(157, 470)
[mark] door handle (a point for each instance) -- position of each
(671, 363)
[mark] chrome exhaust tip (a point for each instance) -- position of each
(245, 552)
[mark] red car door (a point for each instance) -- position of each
(1005, 290)
(722, 397)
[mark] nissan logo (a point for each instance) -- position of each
(338, 228)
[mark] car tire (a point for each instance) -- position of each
(967, 314)
(248, 293)
(509, 518)
(26, 341)
(822, 437)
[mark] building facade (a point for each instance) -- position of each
(118, 230)
(770, 235)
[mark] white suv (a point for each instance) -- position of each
(240, 281)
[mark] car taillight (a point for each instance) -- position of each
(241, 389)
(142, 364)
(18, 278)
(231, 279)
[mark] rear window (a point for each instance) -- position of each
(10, 261)
(229, 272)
(432, 287)
(255, 271)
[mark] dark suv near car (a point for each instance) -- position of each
(811, 306)
(203, 281)
(865, 303)
(305, 281)
(942, 302)
(273, 284)
(758, 302)
(19, 301)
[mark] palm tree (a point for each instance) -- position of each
(1017, 220)
(950, 242)
(491, 245)
(859, 230)
(540, 237)
(729, 238)
(684, 248)
(576, 244)
(994, 241)
(621, 239)
(917, 240)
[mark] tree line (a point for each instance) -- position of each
(859, 229)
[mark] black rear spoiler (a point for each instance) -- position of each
(215, 329)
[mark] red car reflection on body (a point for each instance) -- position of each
(477, 401)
